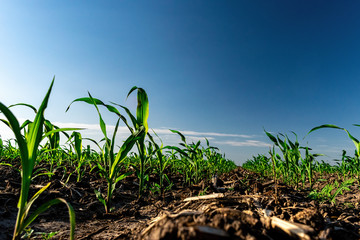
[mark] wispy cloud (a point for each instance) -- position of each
(168, 137)
(247, 143)
(203, 134)
(156, 130)
(171, 138)
(215, 134)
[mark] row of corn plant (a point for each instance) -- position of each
(196, 162)
(37, 147)
(292, 167)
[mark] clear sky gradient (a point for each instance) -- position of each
(224, 70)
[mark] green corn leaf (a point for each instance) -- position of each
(88, 100)
(197, 145)
(5, 122)
(180, 134)
(292, 145)
(60, 130)
(95, 142)
(100, 197)
(131, 90)
(24, 104)
(282, 144)
(36, 130)
(99, 102)
(46, 206)
(25, 163)
(36, 195)
(15, 127)
(183, 145)
(177, 150)
(142, 111)
(103, 171)
(167, 178)
(207, 142)
(122, 176)
(355, 141)
(102, 123)
(54, 138)
(113, 141)
(214, 148)
(114, 110)
(78, 143)
(317, 154)
(28, 147)
(26, 123)
(325, 126)
(137, 170)
(157, 136)
(132, 117)
(124, 150)
(272, 138)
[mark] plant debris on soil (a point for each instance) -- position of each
(236, 205)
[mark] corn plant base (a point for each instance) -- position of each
(237, 213)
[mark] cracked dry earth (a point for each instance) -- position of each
(243, 205)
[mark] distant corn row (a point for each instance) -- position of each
(296, 166)
(37, 143)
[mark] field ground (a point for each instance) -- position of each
(242, 205)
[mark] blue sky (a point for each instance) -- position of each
(217, 69)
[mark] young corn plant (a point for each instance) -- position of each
(295, 167)
(76, 141)
(308, 166)
(215, 161)
(162, 162)
(140, 127)
(109, 165)
(290, 166)
(140, 122)
(192, 157)
(187, 163)
(330, 191)
(28, 146)
(346, 167)
(259, 164)
(324, 167)
(50, 152)
(10, 154)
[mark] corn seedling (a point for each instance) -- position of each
(81, 158)
(273, 160)
(294, 167)
(140, 126)
(199, 162)
(109, 165)
(330, 191)
(161, 164)
(140, 122)
(259, 164)
(28, 146)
